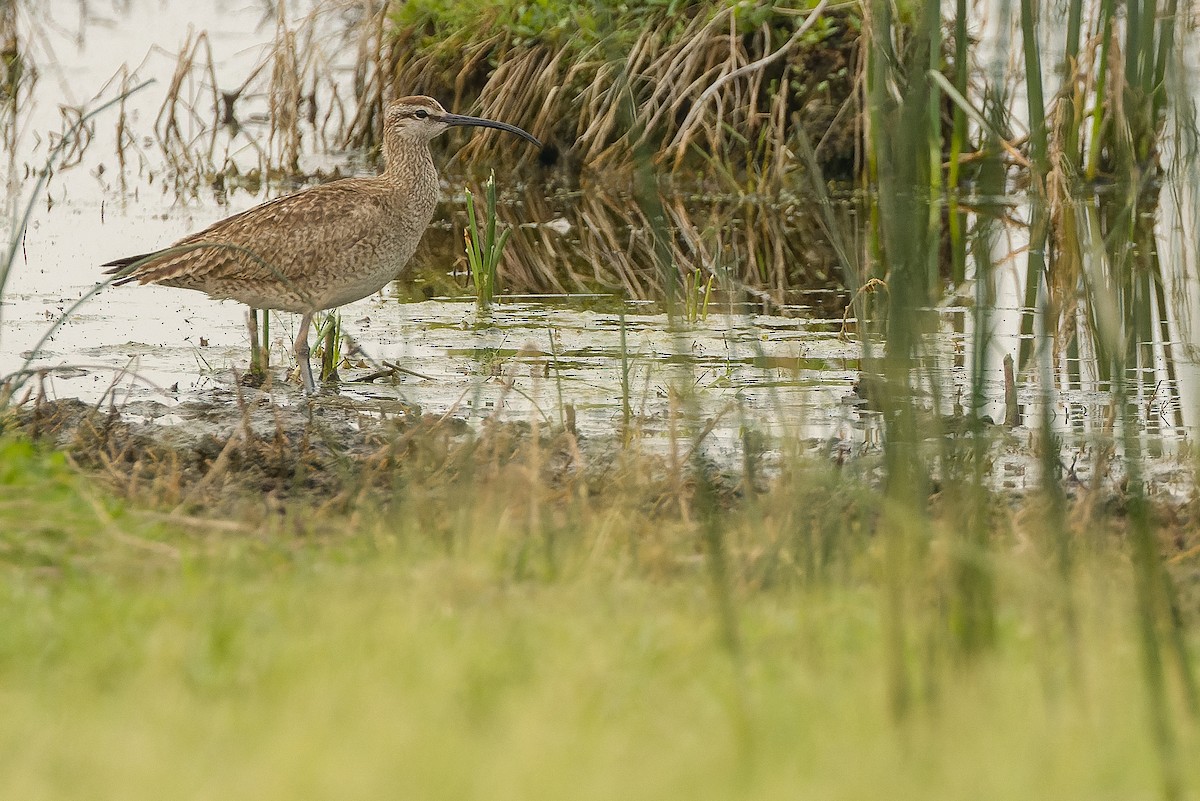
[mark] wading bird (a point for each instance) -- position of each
(322, 247)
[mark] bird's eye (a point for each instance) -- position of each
(421, 114)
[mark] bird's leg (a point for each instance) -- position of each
(301, 351)
(266, 341)
(257, 364)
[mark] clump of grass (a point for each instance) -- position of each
(1093, 258)
(484, 247)
(766, 244)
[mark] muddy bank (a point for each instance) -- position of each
(243, 446)
(215, 458)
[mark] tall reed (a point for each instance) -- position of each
(906, 139)
(899, 135)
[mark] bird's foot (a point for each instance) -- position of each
(306, 378)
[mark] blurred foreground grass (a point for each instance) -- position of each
(144, 660)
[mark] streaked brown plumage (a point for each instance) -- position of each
(322, 247)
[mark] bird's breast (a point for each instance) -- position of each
(378, 259)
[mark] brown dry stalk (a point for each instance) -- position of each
(181, 101)
(285, 96)
(687, 128)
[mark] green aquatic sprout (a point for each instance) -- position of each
(329, 334)
(483, 250)
(697, 295)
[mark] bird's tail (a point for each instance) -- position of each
(126, 268)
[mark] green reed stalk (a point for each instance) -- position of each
(1038, 141)
(1039, 159)
(266, 341)
(1070, 127)
(1066, 129)
(933, 142)
(260, 345)
(900, 132)
(626, 365)
(1074, 30)
(1055, 523)
(973, 602)
(1149, 44)
(484, 248)
(1156, 603)
(697, 294)
(1134, 143)
(956, 218)
(1166, 47)
(1124, 335)
(1139, 46)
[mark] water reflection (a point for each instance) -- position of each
(599, 240)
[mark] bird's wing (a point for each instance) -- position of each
(278, 240)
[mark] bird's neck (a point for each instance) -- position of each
(411, 181)
(408, 162)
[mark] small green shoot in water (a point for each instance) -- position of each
(329, 339)
(697, 293)
(483, 250)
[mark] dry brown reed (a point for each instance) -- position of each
(15, 74)
(183, 125)
(285, 94)
(297, 88)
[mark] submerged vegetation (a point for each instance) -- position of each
(347, 598)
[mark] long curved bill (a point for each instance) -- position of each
(480, 122)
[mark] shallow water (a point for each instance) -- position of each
(783, 367)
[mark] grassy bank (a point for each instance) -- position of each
(604, 83)
(435, 647)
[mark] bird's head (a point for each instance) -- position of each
(423, 118)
